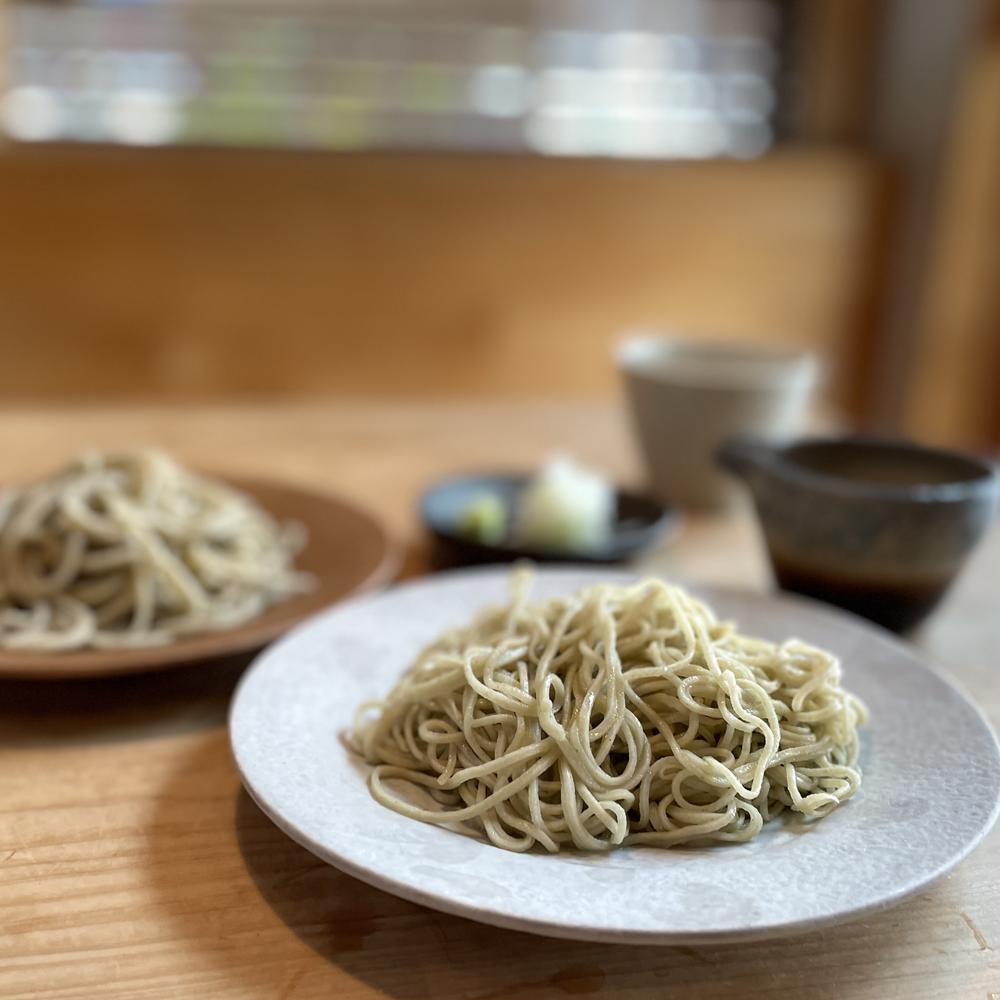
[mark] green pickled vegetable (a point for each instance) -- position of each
(484, 519)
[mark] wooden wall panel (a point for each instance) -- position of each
(833, 62)
(172, 274)
(952, 393)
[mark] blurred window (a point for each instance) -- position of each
(658, 79)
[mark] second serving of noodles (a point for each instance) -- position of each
(130, 549)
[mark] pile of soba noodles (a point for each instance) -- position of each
(618, 715)
(130, 549)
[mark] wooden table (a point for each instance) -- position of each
(132, 865)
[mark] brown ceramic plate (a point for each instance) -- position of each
(347, 552)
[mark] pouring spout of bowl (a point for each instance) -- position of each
(744, 456)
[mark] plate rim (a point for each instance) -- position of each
(486, 914)
(26, 665)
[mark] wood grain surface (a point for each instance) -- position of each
(133, 866)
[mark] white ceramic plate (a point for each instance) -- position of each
(929, 795)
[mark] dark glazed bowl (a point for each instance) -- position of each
(639, 524)
(876, 526)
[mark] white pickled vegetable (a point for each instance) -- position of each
(565, 507)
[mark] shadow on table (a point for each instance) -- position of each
(406, 951)
(111, 709)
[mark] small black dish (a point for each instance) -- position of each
(640, 522)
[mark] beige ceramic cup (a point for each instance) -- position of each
(686, 397)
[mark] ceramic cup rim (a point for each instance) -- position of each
(675, 361)
(980, 480)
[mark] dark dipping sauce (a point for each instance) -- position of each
(874, 465)
(896, 605)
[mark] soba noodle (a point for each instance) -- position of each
(132, 550)
(619, 715)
